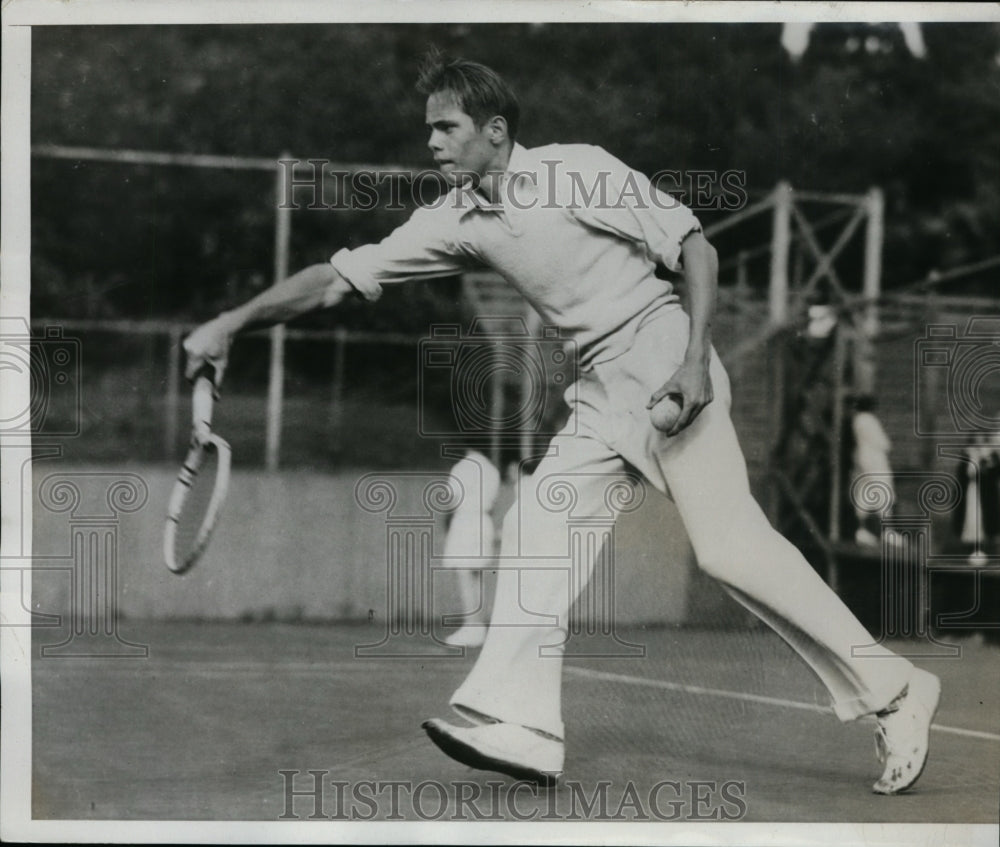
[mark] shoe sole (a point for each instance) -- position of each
(923, 764)
(469, 755)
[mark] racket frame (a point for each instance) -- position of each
(203, 442)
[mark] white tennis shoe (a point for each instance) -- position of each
(902, 734)
(504, 747)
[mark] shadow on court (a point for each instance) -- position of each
(706, 725)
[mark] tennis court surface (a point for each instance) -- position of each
(707, 725)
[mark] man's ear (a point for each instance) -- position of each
(496, 129)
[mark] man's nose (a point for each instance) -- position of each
(434, 142)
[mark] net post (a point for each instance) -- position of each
(276, 380)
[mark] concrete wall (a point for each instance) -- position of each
(297, 545)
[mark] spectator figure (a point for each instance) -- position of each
(870, 457)
(483, 494)
(977, 518)
(472, 539)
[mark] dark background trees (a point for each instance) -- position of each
(858, 110)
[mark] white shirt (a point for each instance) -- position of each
(576, 231)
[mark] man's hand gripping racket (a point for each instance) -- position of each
(201, 486)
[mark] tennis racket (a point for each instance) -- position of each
(201, 486)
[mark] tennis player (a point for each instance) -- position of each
(580, 234)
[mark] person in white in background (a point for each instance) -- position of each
(472, 540)
(978, 473)
(871, 457)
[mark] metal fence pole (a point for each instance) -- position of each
(778, 303)
(837, 426)
(781, 240)
(276, 380)
(872, 288)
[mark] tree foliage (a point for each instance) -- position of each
(858, 110)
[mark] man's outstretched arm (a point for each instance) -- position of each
(691, 380)
(315, 287)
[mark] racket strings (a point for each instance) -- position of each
(195, 503)
(200, 483)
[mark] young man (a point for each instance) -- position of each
(579, 234)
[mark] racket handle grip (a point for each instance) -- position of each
(201, 405)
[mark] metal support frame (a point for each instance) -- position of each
(849, 366)
(791, 229)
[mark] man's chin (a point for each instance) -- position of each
(457, 178)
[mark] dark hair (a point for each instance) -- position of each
(480, 91)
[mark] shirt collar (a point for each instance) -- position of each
(518, 156)
(514, 165)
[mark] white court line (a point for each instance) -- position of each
(751, 698)
(327, 667)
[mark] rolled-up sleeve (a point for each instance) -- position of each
(630, 206)
(422, 248)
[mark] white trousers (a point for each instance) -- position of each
(517, 676)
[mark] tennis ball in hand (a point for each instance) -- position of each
(665, 413)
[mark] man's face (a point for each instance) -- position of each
(459, 149)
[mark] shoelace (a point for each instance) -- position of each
(881, 736)
(881, 744)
